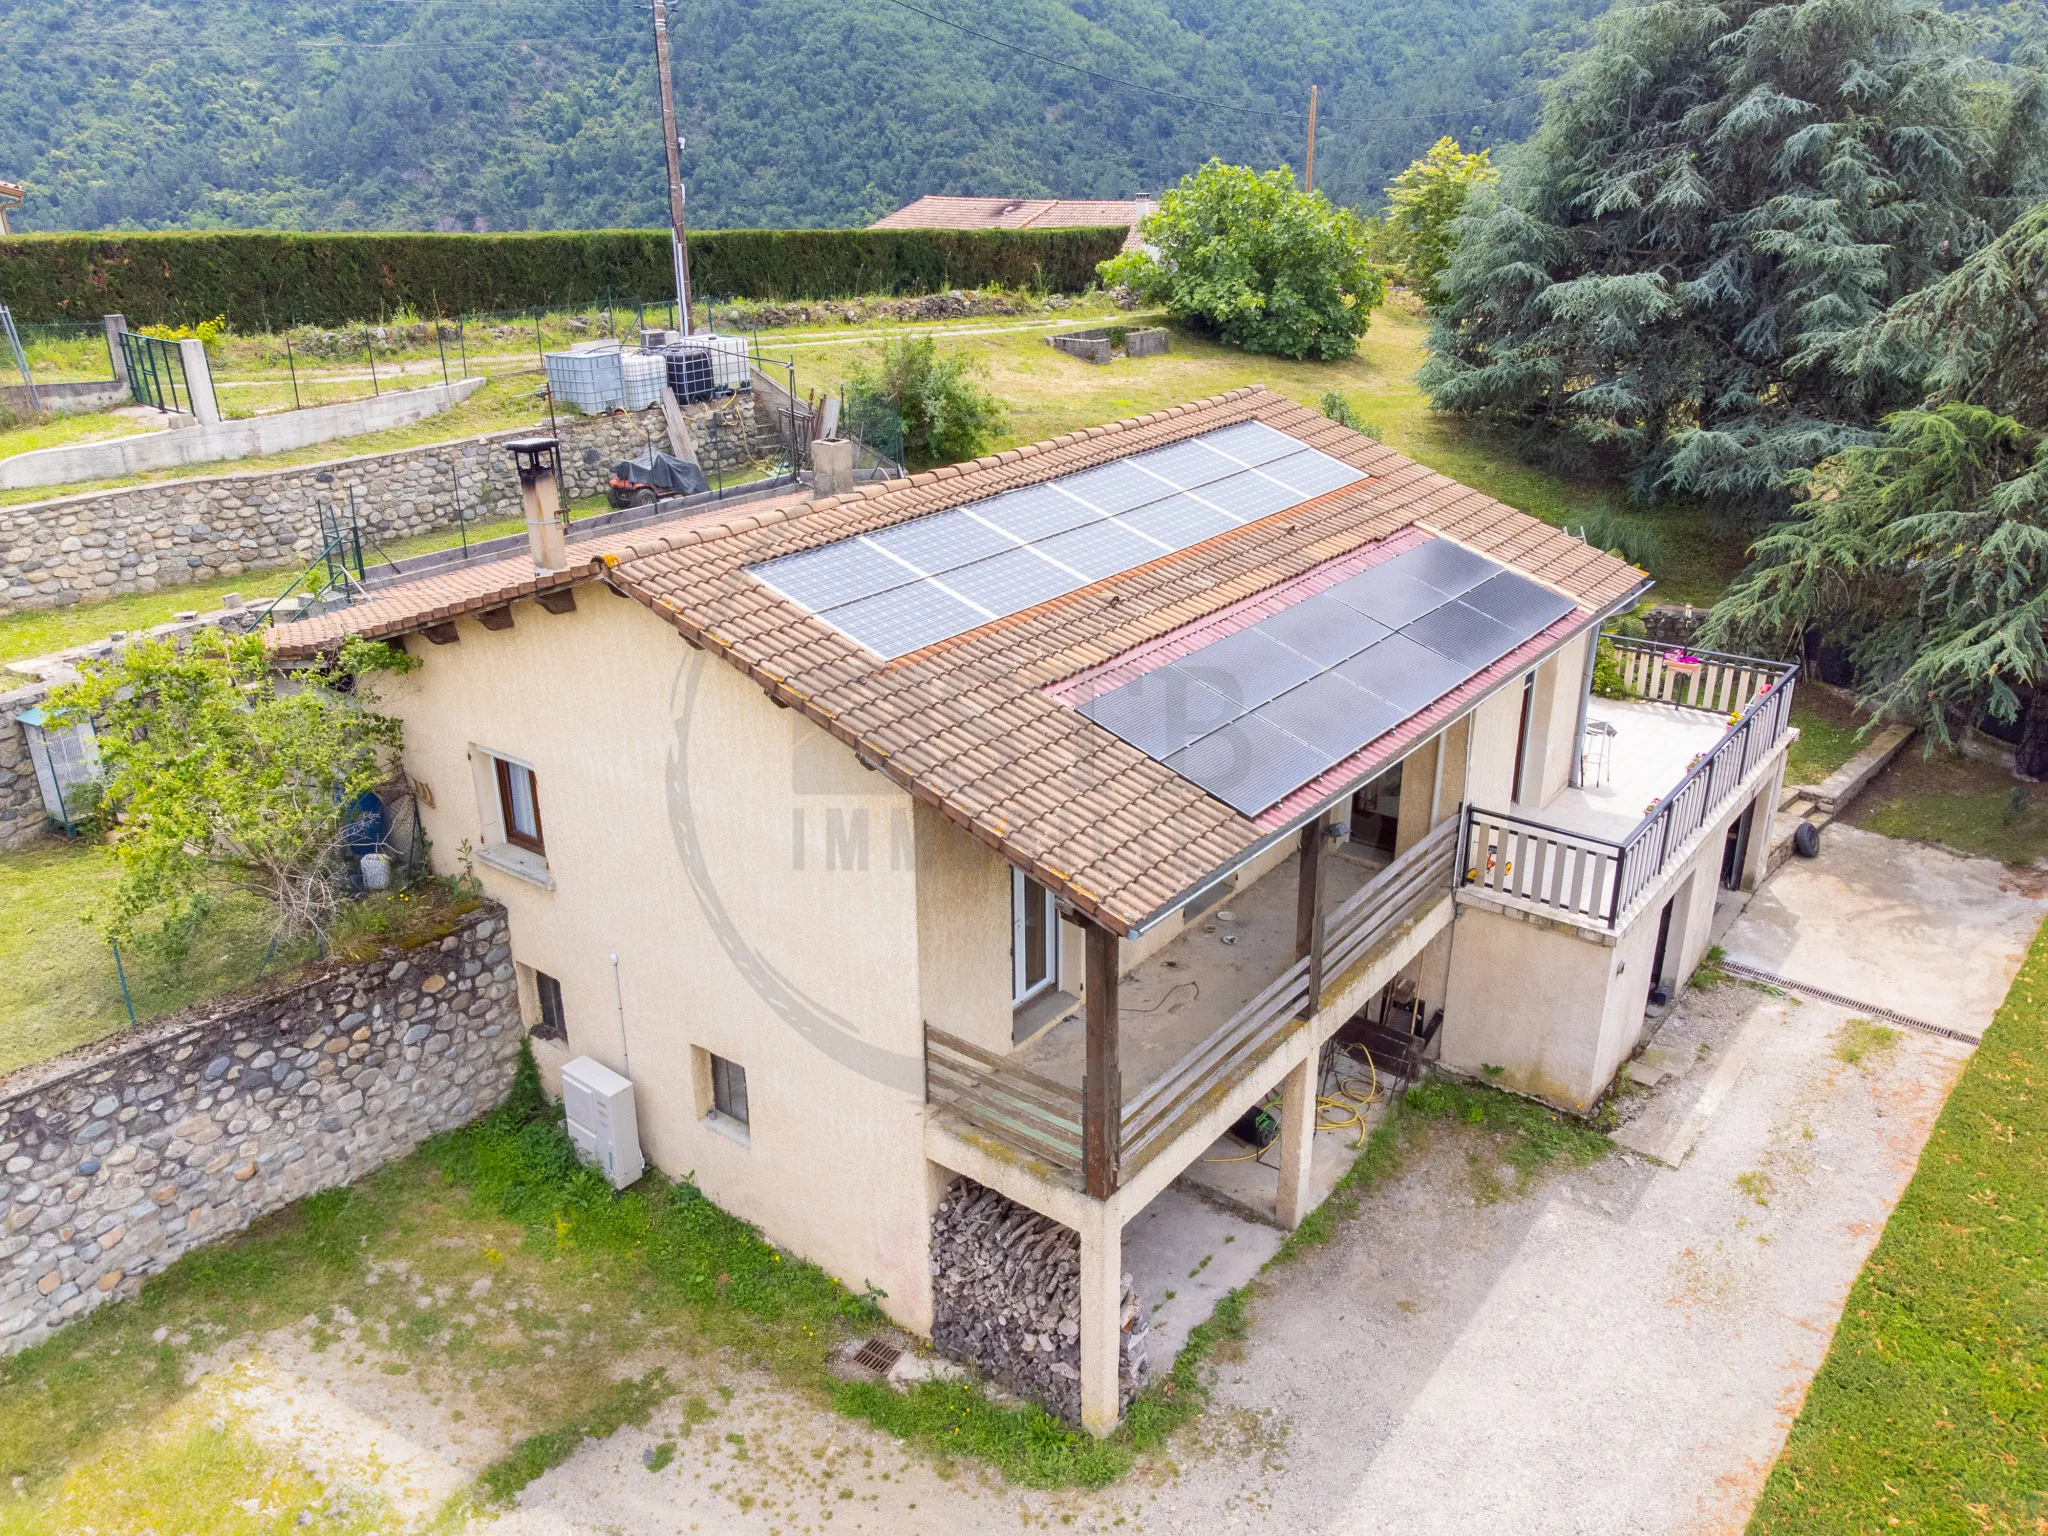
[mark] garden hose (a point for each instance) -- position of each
(1345, 1102)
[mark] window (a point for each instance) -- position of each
(519, 803)
(554, 1024)
(1034, 939)
(729, 1089)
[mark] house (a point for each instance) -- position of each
(1020, 213)
(1033, 820)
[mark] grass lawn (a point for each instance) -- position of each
(75, 427)
(1828, 737)
(1958, 802)
(62, 987)
(1049, 392)
(1930, 1413)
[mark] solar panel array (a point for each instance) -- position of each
(927, 580)
(1257, 714)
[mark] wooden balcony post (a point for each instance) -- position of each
(1308, 911)
(1102, 1091)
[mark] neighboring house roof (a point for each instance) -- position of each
(979, 725)
(1018, 213)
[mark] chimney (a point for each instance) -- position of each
(539, 460)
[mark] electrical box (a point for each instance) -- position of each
(602, 1123)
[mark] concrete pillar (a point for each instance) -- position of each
(832, 466)
(1763, 824)
(117, 326)
(1297, 1142)
(1102, 1296)
(199, 380)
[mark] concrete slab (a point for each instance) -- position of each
(1900, 925)
(1229, 1175)
(1654, 746)
(1185, 1255)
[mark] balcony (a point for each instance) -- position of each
(1659, 764)
(1195, 1021)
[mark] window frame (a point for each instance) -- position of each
(723, 1073)
(1023, 991)
(502, 771)
(554, 1017)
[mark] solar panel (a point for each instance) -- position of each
(1160, 712)
(940, 542)
(903, 620)
(1249, 495)
(1408, 675)
(1179, 521)
(1331, 715)
(1252, 442)
(1189, 464)
(1249, 763)
(1100, 549)
(1323, 629)
(1521, 604)
(837, 573)
(1448, 567)
(1115, 487)
(1010, 582)
(1035, 512)
(1248, 666)
(1387, 594)
(1464, 634)
(1312, 473)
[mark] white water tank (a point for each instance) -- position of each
(601, 1120)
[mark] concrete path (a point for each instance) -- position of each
(1617, 1350)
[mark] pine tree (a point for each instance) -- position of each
(1926, 554)
(1674, 275)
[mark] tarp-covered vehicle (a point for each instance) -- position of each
(652, 476)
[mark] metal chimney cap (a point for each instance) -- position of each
(535, 456)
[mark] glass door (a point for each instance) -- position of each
(1034, 938)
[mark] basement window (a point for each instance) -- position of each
(729, 1089)
(554, 1023)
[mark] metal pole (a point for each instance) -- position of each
(121, 971)
(462, 341)
(356, 529)
(455, 474)
(370, 351)
(443, 346)
(679, 234)
(292, 363)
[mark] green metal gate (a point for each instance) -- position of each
(156, 372)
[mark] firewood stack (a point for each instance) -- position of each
(1007, 1300)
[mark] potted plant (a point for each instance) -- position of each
(1683, 662)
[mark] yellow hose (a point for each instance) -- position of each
(1347, 1103)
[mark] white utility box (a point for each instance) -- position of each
(601, 1120)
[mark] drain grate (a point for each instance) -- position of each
(1752, 973)
(877, 1355)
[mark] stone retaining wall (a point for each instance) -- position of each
(148, 537)
(118, 1158)
(22, 820)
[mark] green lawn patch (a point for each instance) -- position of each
(1958, 802)
(1930, 1413)
(74, 427)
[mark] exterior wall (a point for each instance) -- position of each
(148, 537)
(963, 934)
(1495, 726)
(1554, 725)
(118, 1158)
(759, 890)
(1560, 1005)
(22, 820)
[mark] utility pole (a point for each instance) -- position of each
(1311, 133)
(679, 230)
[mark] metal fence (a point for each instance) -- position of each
(156, 372)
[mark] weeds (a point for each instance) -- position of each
(1528, 1137)
(1712, 969)
(1860, 1039)
(629, 1402)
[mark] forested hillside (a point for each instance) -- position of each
(527, 114)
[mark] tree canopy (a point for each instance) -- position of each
(1925, 553)
(1675, 275)
(1424, 204)
(1268, 267)
(217, 771)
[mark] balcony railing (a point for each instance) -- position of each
(1041, 1120)
(1600, 880)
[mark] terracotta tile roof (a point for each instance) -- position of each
(966, 724)
(473, 589)
(1013, 213)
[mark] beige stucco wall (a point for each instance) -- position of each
(963, 922)
(1554, 723)
(760, 890)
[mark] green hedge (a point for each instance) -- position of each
(261, 280)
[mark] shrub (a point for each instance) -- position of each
(264, 281)
(1423, 206)
(1265, 266)
(945, 416)
(1634, 538)
(1338, 408)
